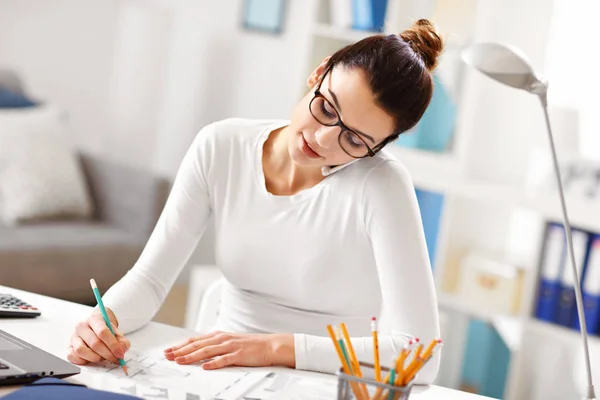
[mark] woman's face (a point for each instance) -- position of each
(347, 94)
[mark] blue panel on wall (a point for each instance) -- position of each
(431, 205)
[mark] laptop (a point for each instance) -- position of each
(21, 363)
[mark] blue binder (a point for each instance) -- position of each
(550, 270)
(56, 389)
(591, 289)
(369, 15)
(566, 311)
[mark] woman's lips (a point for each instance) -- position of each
(306, 149)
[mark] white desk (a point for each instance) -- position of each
(51, 332)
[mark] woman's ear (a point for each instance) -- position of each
(317, 74)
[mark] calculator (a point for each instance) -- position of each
(14, 307)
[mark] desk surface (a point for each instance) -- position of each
(59, 317)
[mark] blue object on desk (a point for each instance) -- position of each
(368, 15)
(56, 389)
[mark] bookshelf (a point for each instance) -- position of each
(479, 210)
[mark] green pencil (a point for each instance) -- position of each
(391, 382)
(105, 316)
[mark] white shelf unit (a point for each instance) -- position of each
(489, 202)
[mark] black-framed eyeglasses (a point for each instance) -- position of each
(325, 113)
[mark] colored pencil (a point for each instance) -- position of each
(343, 360)
(106, 319)
(376, 349)
(355, 363)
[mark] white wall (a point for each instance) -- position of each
(64, 50)
(139, 78)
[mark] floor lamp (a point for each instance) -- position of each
(508, 65)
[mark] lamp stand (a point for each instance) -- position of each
(590, 393)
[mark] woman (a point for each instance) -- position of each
(315, 225)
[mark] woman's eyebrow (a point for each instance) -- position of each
(337, 104)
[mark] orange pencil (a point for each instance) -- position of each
(429, 350)
(420, 361)
(406, 350)
(353, 360)
(413, 364)
(376, 349)
(345, 365)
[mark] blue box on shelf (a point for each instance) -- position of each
(435, 129)
(369, 15)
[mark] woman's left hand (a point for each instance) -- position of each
(223, 349)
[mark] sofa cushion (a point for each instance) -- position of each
(68, 235)
(40, 174)
(58, 259)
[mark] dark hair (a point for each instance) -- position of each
(398, 69)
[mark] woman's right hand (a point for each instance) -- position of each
(93, 342)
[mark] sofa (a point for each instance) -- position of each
(58, 257)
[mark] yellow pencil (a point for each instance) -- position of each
(406, 350)
(355, 364)
(400, 366)
(412, 365)
(376, 349)
(413, 369)
(345, 365)
(420, 361)
(430, 348)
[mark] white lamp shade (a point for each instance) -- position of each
(504, 63)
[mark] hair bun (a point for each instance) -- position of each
(423, 38)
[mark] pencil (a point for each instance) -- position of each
(391, 382)
(404, 353)
(345, 365)
(338, 337)
(355, 364)
(420, 361)
(413, 364)
(429, 350)
(376, 349)
(105, 316)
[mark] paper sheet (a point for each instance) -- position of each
(151, 376)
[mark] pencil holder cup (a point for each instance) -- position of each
(349, 386)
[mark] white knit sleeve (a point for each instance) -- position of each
(137, 297)
(393, 223)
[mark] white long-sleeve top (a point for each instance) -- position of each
(341, 251)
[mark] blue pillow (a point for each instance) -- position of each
(10, 99)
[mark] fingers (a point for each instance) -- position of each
(221, 362)
(93, 342)
(194, 346)
(125, 343)
(106, 337)
(205, 353)
(191, 340)
(74, 358)
(83, 352)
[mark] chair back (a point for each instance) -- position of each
(209, 308)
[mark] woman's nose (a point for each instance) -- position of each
(326, 137)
